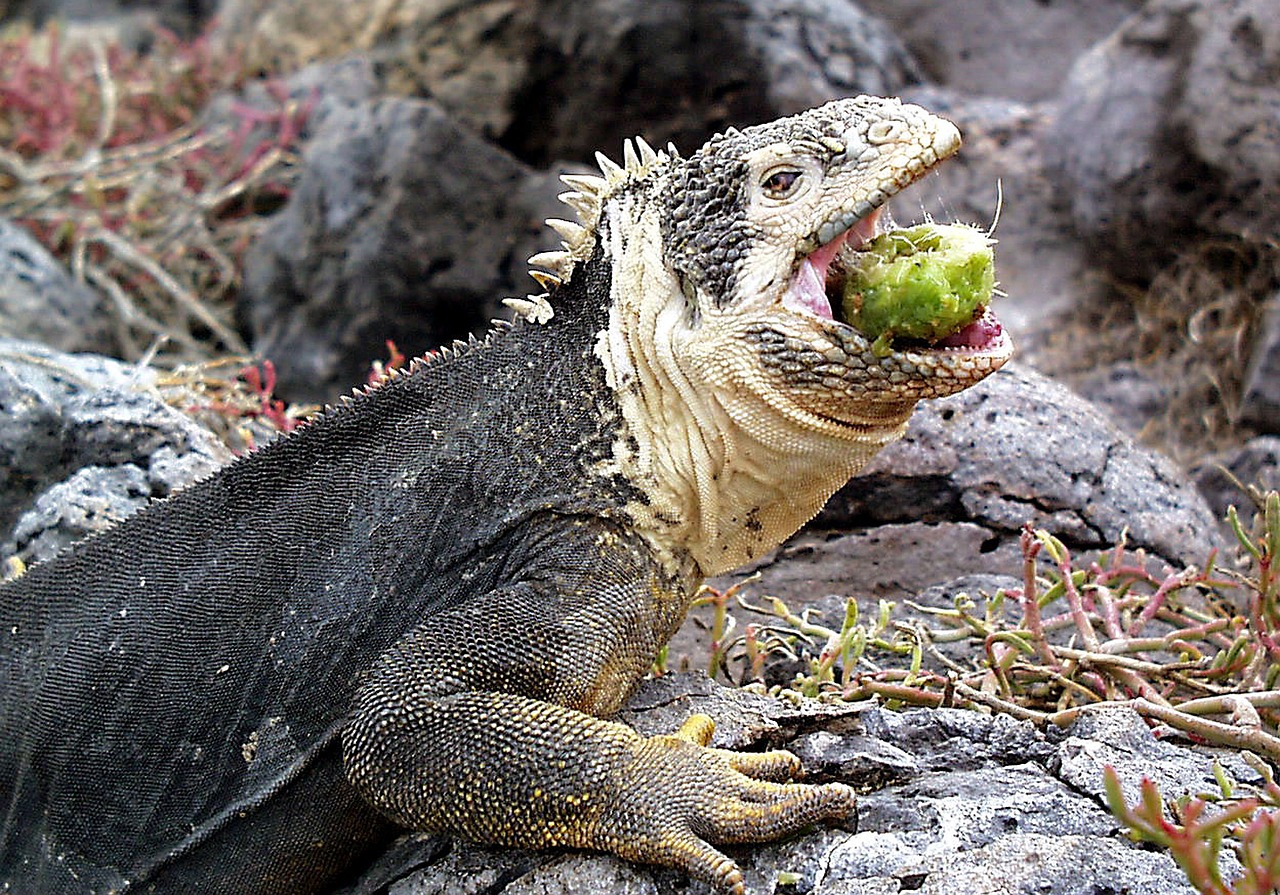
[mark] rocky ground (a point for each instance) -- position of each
(378, 171)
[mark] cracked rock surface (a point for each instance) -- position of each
(84, 442)
(951, 801)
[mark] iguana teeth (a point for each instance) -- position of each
(672, 151)
(559, 263)
(611, 170)
(574, 235)
(588, 184)
(546, 280)
(647, 155)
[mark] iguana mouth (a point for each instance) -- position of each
(817, 285)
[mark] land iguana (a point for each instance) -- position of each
(419, 610)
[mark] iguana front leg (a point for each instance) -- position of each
(482, 722)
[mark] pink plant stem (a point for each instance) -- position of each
(1030, 602)
(1156, 603)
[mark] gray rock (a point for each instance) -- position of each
(1005, 48)
(812, 51)
(40, 301)
(955, 739)
(1260, 401)
(93, 498)
(1255, 463)
(1018, 863)
(879, 561)
(860, 760)
(1131, 396)
(1021, 448)
(679, 70)
(469, 870)
(1117, 737)
(1169, 129)
(968, 809)
(85, 441)
(574, 875)
(403, 226)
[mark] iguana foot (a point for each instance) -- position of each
(679, 795)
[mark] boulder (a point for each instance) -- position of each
(84, 442)
(679, 70)
(1000, 48)
(39, 300)
(1260, 401)
(1223, 476)
(1169, 129)
(404, 226)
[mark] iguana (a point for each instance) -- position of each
(420, 609)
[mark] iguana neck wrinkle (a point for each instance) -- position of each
(717, 449)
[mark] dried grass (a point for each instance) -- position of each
(106, 161)
(1190, 330)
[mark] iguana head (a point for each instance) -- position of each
(749, 399)
(758, 222)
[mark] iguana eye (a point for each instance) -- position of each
(781, 184)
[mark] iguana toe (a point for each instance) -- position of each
(759, 811)
(683, 849)
(777, 765)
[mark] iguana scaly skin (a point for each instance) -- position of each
(420, 609)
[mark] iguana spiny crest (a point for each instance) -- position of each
(735, 374)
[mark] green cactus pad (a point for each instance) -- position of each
(925, 282)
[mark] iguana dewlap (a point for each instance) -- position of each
(419, 610)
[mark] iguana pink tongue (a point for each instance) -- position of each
(978, 334)
(808, 288)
